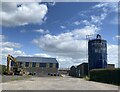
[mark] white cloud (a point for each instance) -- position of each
(52, 3)
(100, 5)
(9, 48)
(86, 22)
(63, 27)
(116, 37)
(4, 43)
(24, 14)
(70, 47)
(10, 44)
(113, 54)
(9, 7)
(87, 30)
(111, 6)
(22, 31)
(41, 55)
(61, 42)
(42, 31)
(98, 19)
(12, 51)
(37, 55)
(67, 62)
(108, 8)
(77, 23)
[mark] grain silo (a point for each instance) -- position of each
(97, 53)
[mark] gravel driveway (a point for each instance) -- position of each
(56, 83)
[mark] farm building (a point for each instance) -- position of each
(79, 71)
(38, 65)
(82, 70)
(73, 71)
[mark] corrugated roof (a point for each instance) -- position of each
(36, 59)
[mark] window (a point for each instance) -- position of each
(57, 65)
(20, 64)
(33, 64)
(42, 65)
(26, 64)
(51, 65)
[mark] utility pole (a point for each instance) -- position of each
(88, 37)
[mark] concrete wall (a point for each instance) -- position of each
(39, 70)
(111, 66)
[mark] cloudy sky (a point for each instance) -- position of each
(57, 30)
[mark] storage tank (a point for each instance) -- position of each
(97, 53)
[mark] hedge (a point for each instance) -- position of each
(2, 69)
(111, 76)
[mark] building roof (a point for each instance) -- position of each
(73, 67)
(36, 59)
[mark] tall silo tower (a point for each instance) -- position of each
(97, 53)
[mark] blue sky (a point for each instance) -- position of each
(58, 29)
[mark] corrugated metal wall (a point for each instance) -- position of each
(97, 53)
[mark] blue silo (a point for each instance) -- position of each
(97, 53)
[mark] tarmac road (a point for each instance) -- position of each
(56, 83)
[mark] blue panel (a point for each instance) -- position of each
(97, 54)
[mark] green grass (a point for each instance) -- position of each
(87, 78)
(14, 78)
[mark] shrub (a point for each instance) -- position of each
(87, 78)
(111, 76)
(2, 69)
